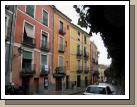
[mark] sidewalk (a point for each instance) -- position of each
(64, 92)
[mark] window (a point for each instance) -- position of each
(61, 61)
(6, 24)
(44, 66)
(30, 10)
(78, 35)
(29, 29)
(61, 25)
(26, 61)
(78, 48)
(66, 43)
(61, 43)
(85, 39)
(44, 59)
(45, 18)
(85, 50)
(78, 63)
(44, 40)
(68, 27)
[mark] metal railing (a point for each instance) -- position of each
(62, 31)
(79, 53)
(44, 72)
(86, 55)
(28, 41)
(28, 70)
(79, 69)
(86, 70)
(45, 46)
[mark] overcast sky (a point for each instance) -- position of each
(72, 14)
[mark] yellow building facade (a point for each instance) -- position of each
(80, 74)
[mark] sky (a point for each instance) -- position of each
(96, 38)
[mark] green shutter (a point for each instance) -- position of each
(30, 10)
(43, 59)
(27, 55)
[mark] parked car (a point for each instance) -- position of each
(98, 90)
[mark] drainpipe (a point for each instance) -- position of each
(52, 44)
(11, 43)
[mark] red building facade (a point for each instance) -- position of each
(32, 51)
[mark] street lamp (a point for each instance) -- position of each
(20, 50)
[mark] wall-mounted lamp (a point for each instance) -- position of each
(20, 50)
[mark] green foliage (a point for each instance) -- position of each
(110, 22)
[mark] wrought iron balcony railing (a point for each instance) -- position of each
(28, 41)
(45, 46)
(86, 70)
(86, 55)
(44, 70)
(79, 53)
(28, 71)
(79, 69)
(62, 31)
(59, 71)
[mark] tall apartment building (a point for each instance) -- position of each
(61, 53)
(94, 63)
(79, 57)
(32, 52)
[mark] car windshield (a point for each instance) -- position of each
(97, 90)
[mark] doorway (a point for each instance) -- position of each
(25, 85)
(78, 80)
(58, 84)
(36, 83)
(67, 82)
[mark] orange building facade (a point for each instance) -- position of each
(61, 53)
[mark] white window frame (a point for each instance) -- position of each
(47, 37)
(34, 11)
(63, 60)
(32, 62)
(47, 59)
(42, 16)
(63, 24)
(78, 35)
(59, 41)
(25, 21)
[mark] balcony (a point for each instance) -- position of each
(45, 46)
(62, 31)
(61, 48)
(79, 69)
(44, 70)
(86, 70)
(59, 71)
(28, 71)
(86, 55)
(79, 53)
(28, 41)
